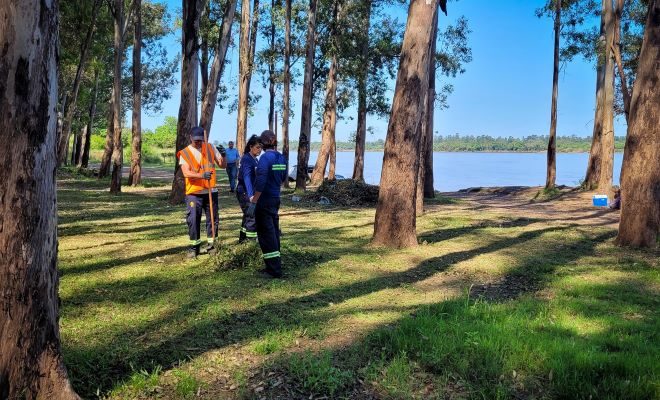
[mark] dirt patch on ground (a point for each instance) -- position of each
(569, 207)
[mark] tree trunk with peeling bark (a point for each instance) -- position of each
(31, 365)
(329, 124)
(640, 174)
(551, 172)
(287, 85)
(616, 51)
(192, 10)
(135, 174)
(63, 146)
(117, 159)
(211, 95)
(306, 112)
(395, 223)
(361, 132)
(600, 166)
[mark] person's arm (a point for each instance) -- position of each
(189, 173)
(248, 173)
(263, 167)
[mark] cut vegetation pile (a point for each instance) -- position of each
(346, 192)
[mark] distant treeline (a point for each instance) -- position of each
(484, 143)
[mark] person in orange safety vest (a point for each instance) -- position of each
(198, 162)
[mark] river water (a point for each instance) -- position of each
(454, 171)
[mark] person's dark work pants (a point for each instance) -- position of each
(268, 231)
(195, 205)
(248, 224)
(231, 173)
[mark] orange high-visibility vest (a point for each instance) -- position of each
(194, 185)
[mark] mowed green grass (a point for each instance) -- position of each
(488, 306)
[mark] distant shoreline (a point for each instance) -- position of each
(475, 151)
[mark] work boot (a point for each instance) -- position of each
(193, 251)
(210, 249)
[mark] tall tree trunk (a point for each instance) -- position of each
(77, 145)
(204, 49)
(426, 125)
(104, 168)
(211, 94)
(63, 147)
(332, 169)
(395, 224)
(429, 189)
(616, 51)
(192, 10)
(74, 148)
(361, 132)
(329, 124)
(286, 89)
(84, 158)
(551, 175)
(306, 113)
(81, 146)
(135, 175)
(247, 47)
(31, 365)
(117, 148)
(640, 175)
(271, 70)
(600, 165)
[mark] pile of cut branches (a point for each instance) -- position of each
(345, 192)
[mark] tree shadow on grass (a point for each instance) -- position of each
(199, 336)
(430, 343)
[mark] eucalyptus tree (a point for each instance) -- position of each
(31, 363)
(192, 10)
(395, 222)
(640, 175)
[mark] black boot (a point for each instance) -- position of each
(193, 251)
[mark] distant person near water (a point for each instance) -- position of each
(198, 162)
(247, 175)
(232, 168)
(265, 204)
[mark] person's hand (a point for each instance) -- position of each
(207, 175)
(250, 210)
(251, 199)
(221, 150)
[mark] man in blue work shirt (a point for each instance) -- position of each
(231, 157)
(265, 204)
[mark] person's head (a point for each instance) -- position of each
(197, 137)
(253, 146)
(230, 144)
(617, 193)
(268, 139)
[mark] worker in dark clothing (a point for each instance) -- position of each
(247, 175)
(265, 204)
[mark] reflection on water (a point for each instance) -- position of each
(453, 171)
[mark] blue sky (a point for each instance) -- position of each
(505, 90)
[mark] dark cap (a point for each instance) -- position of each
(197, 133)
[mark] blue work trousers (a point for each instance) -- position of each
(195, 205)
(231, 174)
(268, 231)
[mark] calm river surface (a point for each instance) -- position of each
(454, 171)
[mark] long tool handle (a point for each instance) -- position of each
(212, 155)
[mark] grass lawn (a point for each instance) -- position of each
(494, 303)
